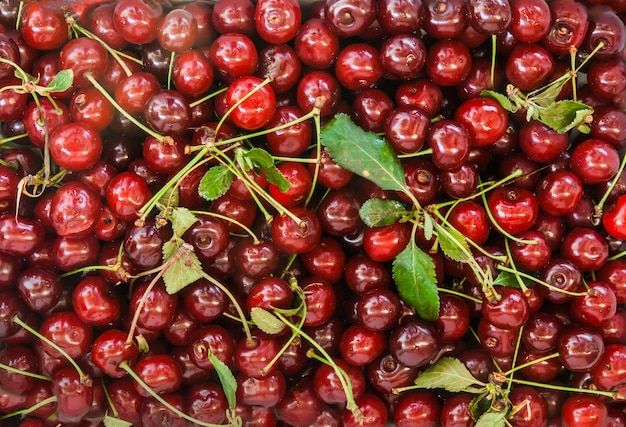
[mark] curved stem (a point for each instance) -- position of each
(532, 362)
(25, 373)
(460, 294)
(605, 196)
(124, 365)
(318, 156)
(46, 401)
(610, 394)
(248, 230)
(207, 97)
(541, 282)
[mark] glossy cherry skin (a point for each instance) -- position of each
(583, 411)
(95, 301)
(291, 237)
(373, 409)
(510, 311)
(318, 89)
(257, 109)
(448, 62)
(384, 243)
(126, 194)
(450, 142)
(596, 307)
(206, 402)
(168, 112)
(67, 331)
(137, 20)
(536, 411)
(358, 66)
(233, 55)
(110, 349)
(328, 386)
(75, 146)
(562, 274)
(498, 342)
(161, 372)
(300, 406)
(406, 129)
(73, 397)
(177, 30)
(158, 308)
(513, 209)
(43, 27)
(530, 20)
(580, 348)
(277, 21)
(614, 218)
(594, 161)
(83, 56)
(586, 248)
(75, 209)
(610, 372)
(348, 18)
(39, 288)
(531, 256)
(414, 343)
(485, 120)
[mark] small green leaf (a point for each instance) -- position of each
(227, 379)
(169, 197)
(453, 243)
(414, 273)
(142, 343)
(266, 321)
(184, 269)
(182, 219)
(61, 82)
(449, 374)
(502, 99)
(363, 153)
(274, 176)
(260, 157)
(547, 96)
(507, 278)
(565, 115)
(380, 212)
(215, 182)
(110, 421)
(491, 419)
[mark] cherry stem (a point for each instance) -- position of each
(420, 153)
(341, 374)
(460, 294)
(488, 186)
(617, 256)
(520, 282)
(318, 154)
(90, 268)
(607, 193)
(84, 379)
(89, 76)
(124, 365)
(244, 322)
(518, 343)
(609, 394)
(25, 373)
(12, 138)
(532, 362)
(541, 282)
(239, 102)
(108, 398)
(114, 53)
(249, 231)
(46, 401)
(492, 71)
(207, 97)
(170, 70)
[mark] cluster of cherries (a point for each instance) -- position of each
(132, 127)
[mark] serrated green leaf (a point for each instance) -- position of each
(563, 116)
(449, 374)
(547, 96)
(363, 153)
(260, 157)
(169, 197)
(491, 419)
(61, 82)
(502, 100)
(215, 182)
(507, 278)
(227, 379)
(110, 421)
(182, 219)
(274, 176)
(266, 321)
(453, 243)
(184, 269)
(380, 212)
(414, 273)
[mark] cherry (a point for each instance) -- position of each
(277, 21)
(498, 342)
(614, 218)
(39, 288)
(300, 406)
(386, 373)
(126, 400)
(358, 66)
(414, 343)
(266, 391)
(540, 143)
(379, 309)
(75, 146)
(83, 56)
(290, 141)
(153, 412)
(73, 397)
(168, 112)
(177, 31)
(282, 65)
(448, 62)
(256, 260)
(513, 209)
(529, 66)
(257, 109)
(213, 338)
(158, 306)
(541, 332)
(586, 248)
(66, 330)
(326, 261)
(133, 92)
(484, 119)
(100, 22)
(596, 307)
(373, 410)
(318, 89)
(580, 348)
(420, 407)
(12, 103)
(450, 142)
(360, 346)
(583, 411)
(143, 245)
(533, 409)
(75, 209)
(137, 20)
(95, 301)
(422, 178)
(454, 318)
(233, 55)
(328, 386)
(530, 21)
(384, 243)
(348, 18)
(300, 181)
(160, 372)
(43, 27)
(594, 161)
(206, 402)
(22, 358)
(607, 28)
(559, 192)
(209, 236)
(563, 275)
(531, 256)
(110, 349)
(455, 411)
(316, 44)
(371, 108)
(292, 237)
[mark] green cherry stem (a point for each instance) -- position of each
(84, 379)
(47, 401)
(318, 155)
(25, 373)
(600, 205)
(532, 362)
(124, 365)
(617, 256)
(460, 294)
(420, 153)
(89, 76)
(518, 343)
(341, 374)
(239, 102)
(541, 282)
(207, 97)
(248, 231)
(609, 394)
(12, 138)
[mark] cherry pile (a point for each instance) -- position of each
(340, 213)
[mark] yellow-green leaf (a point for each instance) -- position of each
(184, 266)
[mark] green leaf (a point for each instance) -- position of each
(61, 82)
(274, 176)
(502, 99)
(414, 273)
(184, 269)
(507, 278)
(110, 421)
(380, 212)
(227, 379)
(453, 243)
(169, 197)
(182, 219)
(428, 227)
(266, 321)
(260, 157)
(363, 153)
(565, 115)
(491, 419)
(215, 182)
(449, 374)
